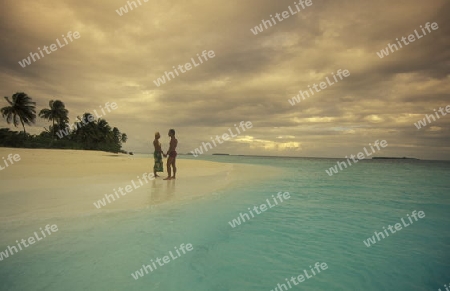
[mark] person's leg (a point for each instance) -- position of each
(156, 164)
(174, 167)
(169, 172)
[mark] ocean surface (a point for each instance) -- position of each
(325, 220)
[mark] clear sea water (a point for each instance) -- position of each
(325, 220)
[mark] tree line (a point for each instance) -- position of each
(86, 134)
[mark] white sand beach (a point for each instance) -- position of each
(55, 183)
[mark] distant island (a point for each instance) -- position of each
(218, 154)
(392, 158)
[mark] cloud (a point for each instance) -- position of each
(250, 78)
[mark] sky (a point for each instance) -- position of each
(251, 77)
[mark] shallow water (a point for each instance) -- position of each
(326, 220)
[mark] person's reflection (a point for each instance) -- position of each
(155, 193)
(161, 192)
(170, 190)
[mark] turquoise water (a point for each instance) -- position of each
(325, 220)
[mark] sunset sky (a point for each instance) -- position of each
(250, 78)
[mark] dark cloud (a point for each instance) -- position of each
(250, 78)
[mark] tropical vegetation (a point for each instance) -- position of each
(87, 133)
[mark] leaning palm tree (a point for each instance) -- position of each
(21, 109)
(57, 113)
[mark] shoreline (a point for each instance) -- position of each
(48, 183)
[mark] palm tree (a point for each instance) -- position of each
(118, 139)
(116, 135)
(104, 131)
(21, 109)
(86, 132)
(57, 113)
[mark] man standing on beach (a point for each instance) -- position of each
(157, 155)
(172, 156)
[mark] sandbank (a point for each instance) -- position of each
(49, 183)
